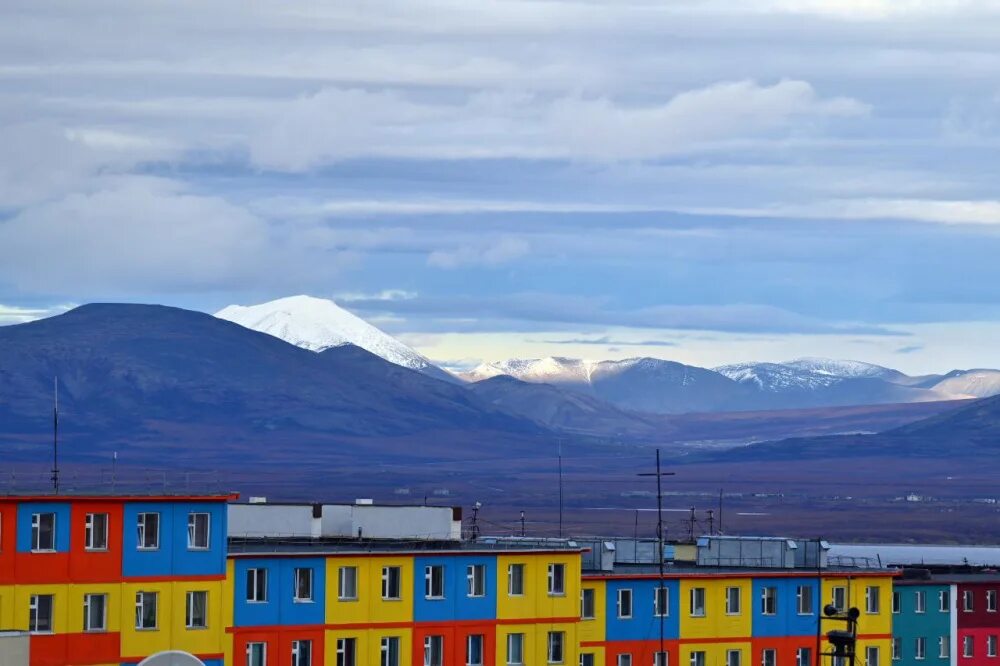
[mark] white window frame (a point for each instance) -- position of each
(991, 645)
(256, 592)
(920, 648)
(345, 657)
(624, 659)
(189, 607)
(991, 601)
(142, 600)
(919, 601)
(588, 603)
(944, 647)
(92, 528)
(696, 597)
(968, 646)
(944, 601)
(623, 612)
(429, 653)
(873, 601)
(88, 613)
(734, 601)
(389, 651)
(897, 602)
(587, 659)
(734, 657)
(555, 651)
(34, 617)
(192, 531)
(143, 531)
(297, 652)
(804, 599)
(343, 578)
(481, 639)
(768, 652)
(512, 589)
(896, 647)
(697, 658)
(297, 574)
(803, 656)
(661, 658)
(515, 639)
(434, 582)
(392, 575)
(968, 601)
(841, 603)
(557, 579)
(475, 581)
(872, 655)
(36, 532)
(769, 601)
(661, 610)
(263, 653)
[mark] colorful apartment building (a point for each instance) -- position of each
(101, 580)
(947, 620)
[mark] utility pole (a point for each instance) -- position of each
(560, 491)
(660, 592)
(522, 523)
(55, 436)
(691, 522)
(711, 519)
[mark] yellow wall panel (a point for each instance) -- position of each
(75, 605)
(171, 632)
(715, 653)
(6, 605)
(536, 601)
(868, 623)
(60, 605)
(593, 630)
(369, 606)
(536, 642)
(716, 621)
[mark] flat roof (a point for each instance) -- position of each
(634, 571)
(159, 496)
(312, 547)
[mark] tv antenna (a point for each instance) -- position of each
(660, 593)
(55, 436)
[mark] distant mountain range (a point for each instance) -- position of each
(654, 385)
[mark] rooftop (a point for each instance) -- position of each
(289, 546)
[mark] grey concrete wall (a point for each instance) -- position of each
(404, 522)
(14, 648)
(272, 520)
(343, 520)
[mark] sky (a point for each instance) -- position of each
(702, 180)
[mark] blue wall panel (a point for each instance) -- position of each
(24, 512)
(787, 621)
(457, 604)
(643, 625)
(280, 607)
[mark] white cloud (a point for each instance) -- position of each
(10, 314)
(500, 251)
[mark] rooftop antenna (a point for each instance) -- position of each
(711, 517)
(660, 592)
(522, 523)
(475, 519)
(691, 522)
(560, 491)
(55, 436)
(720, 510)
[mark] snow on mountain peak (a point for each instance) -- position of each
(317, 324)
(840, 368)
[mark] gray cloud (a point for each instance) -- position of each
(608, 340)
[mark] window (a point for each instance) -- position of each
(872, 600)
(40, 613)
(198, 531)
(303, 584)
(919, 601)
(733, 601)
(256, 654)
(661, 658)
(515, 648)
(196, 613)
(95, 612)
(95, 531)
(586, 659)
(389, 651)
(967, 604)
(697, 602)
(587, 603)
(840, 598)
(968, 649)
(149, 531)
(433, 650)
(991, 645)
(733, 657)
(390, 582)
(920, 648)
(944, 647)
(475, 580)
(434, 582)
(871, 655)
(302, 653)
(557, 579)
(661, 600)
(346, 651)
(804, 599)
(991, 601)
(697, 658)
(803, 657)
(257, 585)
(43, 531)
(768, 657)
(347, 583)
(474, 650)
(556, 643)
(944, 601)
(625, 659)
(897, 648)
(625, 603)
(515, 580)
(145, 610)
(769, 601)
(896, 602)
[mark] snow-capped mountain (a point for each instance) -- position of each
(318, 324)
(648, 384)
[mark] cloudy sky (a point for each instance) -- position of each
(702, 180)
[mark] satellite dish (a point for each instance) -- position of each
(172, 658)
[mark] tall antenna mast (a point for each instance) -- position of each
(560, 491)
(660, 594)
(55, 436)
